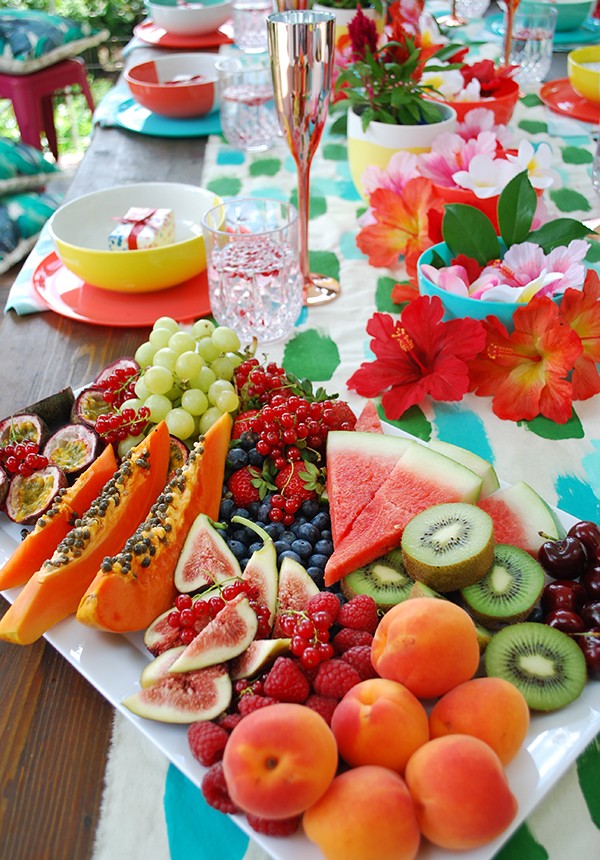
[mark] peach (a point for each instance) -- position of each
(279, 760)
(365, 812)
(428, 645)
(460, 791)
(379, 722)
(490, 709)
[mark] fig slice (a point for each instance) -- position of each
(205, 558)
(160, 636)
(257, 656)
(295, 590)
(225, 637)
(184, 698)
(261, 570)
(29, 496)
(72, 448)
(89, 404)
(24, 426)
(160, 667)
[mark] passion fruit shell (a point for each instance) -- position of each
(89, 404)
(4, 482)
(126, 362)
(26, 426)
(72, 448)
(29, 496)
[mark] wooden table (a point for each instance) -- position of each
(55, 728)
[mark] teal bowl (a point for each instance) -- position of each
(570, 13)
(459, 307)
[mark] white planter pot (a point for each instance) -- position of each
(375, 146)
(344, 16)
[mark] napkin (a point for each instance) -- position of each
(22, 297)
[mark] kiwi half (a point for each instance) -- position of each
(385, 580)
(448, 546)
(544, 663)
(508, 591)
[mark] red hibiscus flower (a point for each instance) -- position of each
(418, 355)
(581, 310)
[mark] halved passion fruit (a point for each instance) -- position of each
(29, 496)
(89, 404)
(3, 485)
(21, 428)
(72, 448)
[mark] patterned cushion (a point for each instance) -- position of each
(31, 40)
(22, 217)
(22, 167)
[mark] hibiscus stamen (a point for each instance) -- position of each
(405, 342)
(495, 351)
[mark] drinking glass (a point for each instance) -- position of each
(532, 41)
(250, 24)
(454, 19)
(247, 110)
(301, 47)
(253, 267)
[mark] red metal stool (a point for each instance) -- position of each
(31, 96)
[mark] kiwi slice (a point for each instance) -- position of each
(508, 591)
(544, 663)
(448, 546)
(385, 580)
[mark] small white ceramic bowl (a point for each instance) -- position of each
(80, 231)
(179, 86)
(191, 19)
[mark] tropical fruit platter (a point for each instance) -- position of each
(333, 629)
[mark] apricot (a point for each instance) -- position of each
(460, 791)
(427, 645)
(379, 722)
(365, 812)
(279, 760)
(491, 709)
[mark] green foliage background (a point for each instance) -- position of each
(118, 16)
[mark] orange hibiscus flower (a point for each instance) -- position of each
(581, 310)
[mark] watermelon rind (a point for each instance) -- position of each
(489, 479)
(520, 514)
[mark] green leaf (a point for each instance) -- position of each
(558, 232)
(340, 125)
(437, 261)
(468, 231)
(516, 208)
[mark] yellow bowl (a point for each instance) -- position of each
(80, 231)
(583, 68)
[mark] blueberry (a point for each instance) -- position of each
(309, 508)
(254, 547)
(262, 514)
(248, 439)
(324, 546)
(318, 560)
(255, 459)
(243, 562)
(316, 574)
(289, 536)
(241, 512)
(237, 548)
(302, 547)
(281, 546)
(326, 534)
(226, 510)
(274, 530)
(253, 509)
(289, 554)
(309, 532)
(322, 521)
(244, 536)
(237, 458)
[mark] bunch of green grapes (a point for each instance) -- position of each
(186, 377)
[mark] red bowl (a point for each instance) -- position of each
(179, 86)
(488, 205)
(502, 104)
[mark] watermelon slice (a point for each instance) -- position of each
(519, 515)
(368, 421)
(357, 465)
(477, 464)
(419, 479)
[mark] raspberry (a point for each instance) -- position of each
(228, 721)
(360, 658)
(324, 601)
(360, 613)
(207, 742)
(285, 681)
(249, 703)
(335, 678)
(323, 705)
(270, 827)
(347, 638)
(215, 791)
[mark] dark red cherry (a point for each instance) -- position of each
(563, 594)
(590, 645)
(590, 579)
(589, 535)
(563, 559)
(591, 614)
(565, 620)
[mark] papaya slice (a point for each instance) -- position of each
(70, 504)
(54, 591)
(132, 588)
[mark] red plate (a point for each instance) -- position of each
(69, 296)
(560, 97)
(150, 32)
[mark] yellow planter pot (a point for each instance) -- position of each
(375, 146)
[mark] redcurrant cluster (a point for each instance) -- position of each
(309, 632)
(188, 610)
(22, 458)
(257, 383)
(118, 386)
(116, 426)
(290, 423)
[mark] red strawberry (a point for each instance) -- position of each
(303, 480)
(242, 488)
(242, 423)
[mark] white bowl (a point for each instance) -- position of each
(80, 231)
(193, 19)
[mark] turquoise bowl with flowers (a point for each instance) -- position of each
(458, 307)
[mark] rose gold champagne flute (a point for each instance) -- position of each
(301, 47)
(453, 19)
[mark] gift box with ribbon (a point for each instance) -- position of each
(143, 228)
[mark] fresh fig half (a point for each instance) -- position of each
(227, 635)
(160, 636)
(29, 496)
(160, 667)
(295, 590)
(89, 404)
(257, 656)
(184, 698)
(4, 482)
(72, 448)
(205, 558)
(126, 362)
(261, 570)
(26, 426)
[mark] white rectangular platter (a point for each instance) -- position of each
(113, 665)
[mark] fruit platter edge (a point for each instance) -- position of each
(113, 663)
